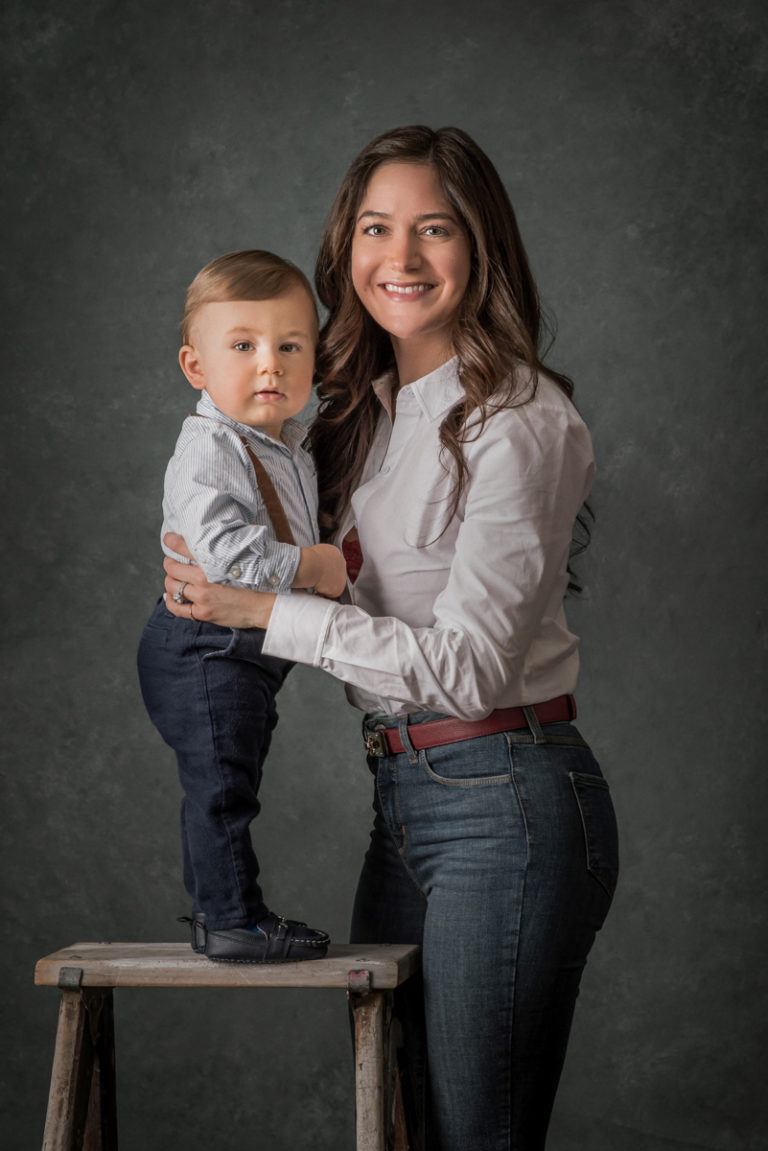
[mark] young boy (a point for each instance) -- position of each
(241, 491)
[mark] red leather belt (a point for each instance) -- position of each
(386, 740)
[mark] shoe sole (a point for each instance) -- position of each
(263, 962)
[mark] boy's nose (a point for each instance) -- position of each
(269, 365)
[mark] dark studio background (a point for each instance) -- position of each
(140, 141)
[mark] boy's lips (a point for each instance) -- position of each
(270, 394)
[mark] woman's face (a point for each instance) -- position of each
(410, 260)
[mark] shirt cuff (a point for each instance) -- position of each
(298, 627)
(272, 571)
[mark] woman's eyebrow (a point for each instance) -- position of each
(417, 219)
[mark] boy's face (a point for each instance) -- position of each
(255, 358)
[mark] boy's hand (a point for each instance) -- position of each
(323, 568)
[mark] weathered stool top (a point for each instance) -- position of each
(177, 965)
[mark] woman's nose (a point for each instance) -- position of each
(403, 251)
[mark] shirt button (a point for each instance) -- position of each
(273, 580)
(235, 571)
(385, 470)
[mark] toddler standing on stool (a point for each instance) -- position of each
(241, 490)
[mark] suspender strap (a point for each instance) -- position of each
(271, 499)
(275, 509)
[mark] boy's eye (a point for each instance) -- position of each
(243, 346)
(290, 347)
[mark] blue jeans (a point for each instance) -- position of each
(211, 694)
(499, 855)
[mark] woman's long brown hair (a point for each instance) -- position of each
(496, 330)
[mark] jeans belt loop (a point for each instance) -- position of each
(405, 739)
(533, 725)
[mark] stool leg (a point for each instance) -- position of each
(369, 1012)
(101, 1123)
(81, 1103)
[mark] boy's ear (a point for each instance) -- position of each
(191, 366)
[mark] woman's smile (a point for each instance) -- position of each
(406, 292)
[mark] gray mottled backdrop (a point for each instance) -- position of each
(140, 141)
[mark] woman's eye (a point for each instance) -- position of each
(374, 230)
(243, 346)
(435, 230)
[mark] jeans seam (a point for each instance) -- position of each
(400, 848)
(520, 804)
(236, 868)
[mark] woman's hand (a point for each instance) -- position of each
(211, 602)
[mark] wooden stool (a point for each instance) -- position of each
(82, 1112)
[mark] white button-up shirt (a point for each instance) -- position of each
(470, 618)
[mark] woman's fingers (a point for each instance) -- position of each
(176, 599)
(183, 582)
(176, 570)
(177, 544)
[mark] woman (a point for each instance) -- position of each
(457, 466)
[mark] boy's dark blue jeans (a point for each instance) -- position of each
(211, 694)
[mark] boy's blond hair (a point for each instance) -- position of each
(250, 274)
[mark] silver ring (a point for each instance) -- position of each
(178, 595)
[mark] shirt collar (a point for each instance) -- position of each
(292, 436)
(435, 393)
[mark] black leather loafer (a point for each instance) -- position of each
(196, 930)
(275, 940)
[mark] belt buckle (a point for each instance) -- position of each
(376, 744)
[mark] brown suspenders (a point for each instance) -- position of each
(275, 509)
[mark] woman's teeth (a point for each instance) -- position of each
(407, 289)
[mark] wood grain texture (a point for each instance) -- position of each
(81, 1112)
(176, 965)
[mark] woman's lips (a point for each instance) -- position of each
(406, 291)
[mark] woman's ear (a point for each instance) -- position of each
(192, 367)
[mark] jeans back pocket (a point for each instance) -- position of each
(599, 822)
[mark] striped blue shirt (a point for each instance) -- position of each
(211, 498)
